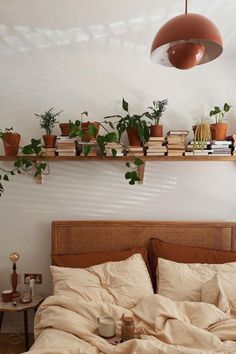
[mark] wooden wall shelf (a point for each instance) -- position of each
(123, 158)
(141, 169)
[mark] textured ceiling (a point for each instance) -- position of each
(38, 24)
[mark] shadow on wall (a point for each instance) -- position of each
(93, 189)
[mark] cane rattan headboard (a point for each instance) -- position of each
(79, 237)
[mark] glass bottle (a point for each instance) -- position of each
(127, 328)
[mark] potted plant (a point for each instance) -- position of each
(157, 109)
(219, 128)
(47, 121)
(85, 128)
(202, 134)
(65, 130)
(11, 141)
(136, 127)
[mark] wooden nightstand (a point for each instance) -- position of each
(8, 307)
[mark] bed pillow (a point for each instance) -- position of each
(184, 282)
(123, 283)
(93, 258)
(185, 254)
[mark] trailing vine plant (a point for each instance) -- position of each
(22, 164)
(102, 140)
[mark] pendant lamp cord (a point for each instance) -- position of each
(186, 6)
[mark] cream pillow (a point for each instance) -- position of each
(183, 282)
(123, 283)
(213, 293)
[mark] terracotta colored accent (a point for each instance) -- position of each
(93, 258)
(218, 131)
(194, 28)
(85, 125)
(156, 130)
(134, 139)
(186, 55)
(64, 129)
(185, 254)
(11, 143)
(49, 140)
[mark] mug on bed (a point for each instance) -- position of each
(106, 326)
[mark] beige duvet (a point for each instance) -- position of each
(68, 325)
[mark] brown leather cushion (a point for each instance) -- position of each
(185, 254)
(90, 259)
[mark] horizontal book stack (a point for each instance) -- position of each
(114, 148)
(49, 151)
(221, 148)
(176, 142)
(155, 146)
(90, 146)
(195, 148)
(134, 150)
(66, 146)
(232, 139)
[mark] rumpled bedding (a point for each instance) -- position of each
(68, 325)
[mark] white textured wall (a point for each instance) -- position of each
(85, 55)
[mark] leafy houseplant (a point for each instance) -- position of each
(23, 164)
(136, 127)
(11, 141)
(157, 109)
(85, 128)
(47, 121)
(219, 128)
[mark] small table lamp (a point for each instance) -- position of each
(14, 257)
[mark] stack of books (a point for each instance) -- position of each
(155, 146)
(66, 146)
(49, 151)
(232, 140)
(94, 149)
(176, 142)
(134, 150)
(221, 148)
(114, 146)
(196, 149)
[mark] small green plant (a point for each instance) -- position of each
(157, 109)
(48, 120)
(23, 164)
(219, 113)
(7, 130)
(130, 121)
(132, 175)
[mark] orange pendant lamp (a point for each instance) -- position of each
(186, 41)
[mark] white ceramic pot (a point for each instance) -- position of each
(106, 326)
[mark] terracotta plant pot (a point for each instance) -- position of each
(134, 139)
(64, 129)
(49, 140)
(218, 131)
(11, 143)
(156, 130)
(85, 126)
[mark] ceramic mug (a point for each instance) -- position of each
(106, 326)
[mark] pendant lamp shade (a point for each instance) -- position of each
(185, 41)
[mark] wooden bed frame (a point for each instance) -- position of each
(79, 237)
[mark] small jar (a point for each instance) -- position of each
(127, 328)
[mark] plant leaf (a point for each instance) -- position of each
(86, 149)
(138, 162)
(114, 152)
(92, 130)
(125, 105)
(226, 107)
